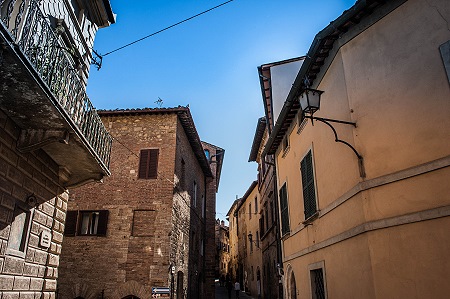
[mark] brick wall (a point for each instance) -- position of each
(150, 222)
(32, 271)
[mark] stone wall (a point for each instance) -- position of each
(29, 183)
(150, 222)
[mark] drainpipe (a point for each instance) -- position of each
(277, 231)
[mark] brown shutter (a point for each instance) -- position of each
(148, 164)
(143, 164)
(153, 164)
(71, 223)
(102, 222)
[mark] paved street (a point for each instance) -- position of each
(222, 293)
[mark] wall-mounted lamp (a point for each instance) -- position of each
(310, 102)
(250, 238)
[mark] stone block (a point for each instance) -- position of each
(13, 265)
(6, 282)
(10, 295)
(30, 270)
(36, 284)
(21, 283)
(49, 285)
(26, 295)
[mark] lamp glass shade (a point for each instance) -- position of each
(310, 100)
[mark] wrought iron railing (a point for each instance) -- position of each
(52, 60)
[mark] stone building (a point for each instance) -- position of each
(363, 177)
(267, 209)
(232, 218)
(50, 136)
(222, 250)
(151, 224)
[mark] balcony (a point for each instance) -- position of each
(42, 92)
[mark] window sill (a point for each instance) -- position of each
(311, 218)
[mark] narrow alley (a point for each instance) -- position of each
(222, 293)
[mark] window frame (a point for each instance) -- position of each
(312, 268)
(146, 172)
(74, 220)
(26, 230)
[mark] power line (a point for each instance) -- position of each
(171, 26)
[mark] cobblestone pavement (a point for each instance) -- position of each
(222, 293)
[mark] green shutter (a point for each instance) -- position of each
(309, 191)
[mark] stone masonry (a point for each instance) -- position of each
(29, 182)
(157, 232)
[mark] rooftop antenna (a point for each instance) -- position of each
(159, 102)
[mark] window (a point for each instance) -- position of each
(183, 174)
(86, 223)
(203, 206)
(261, 224)
(194, 194)
(148, 164)
(284, 210)
(257, 239)
(445, 54)
(318, 288)
(309, 193)
(285, 143)
(272, 212)
(250, 211)
(89, 223)
(18, 235)
(256, 205)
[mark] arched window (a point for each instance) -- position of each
(292, 287)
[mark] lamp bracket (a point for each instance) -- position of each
(327, 121)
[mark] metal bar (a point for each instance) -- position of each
(327, 121)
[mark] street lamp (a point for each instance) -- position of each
(309, 101)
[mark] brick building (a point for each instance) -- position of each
(50, 136)
(151, 224)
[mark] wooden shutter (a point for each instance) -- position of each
(148, 164)
(102, 222)
(153, 164)
(284, 210)
(71, 223)
(309, 191)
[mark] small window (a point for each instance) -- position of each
(250, 211)
(309, 191)
(194, 194)
(284, 210)
(256, 204)
(445, 54)
(285, 143)
(317, 284)
(203, 206)
(207, 154)
(18, 235)
(148, 164)
(86, 223)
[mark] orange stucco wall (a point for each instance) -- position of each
(388, 231)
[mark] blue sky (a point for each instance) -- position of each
(209, 63)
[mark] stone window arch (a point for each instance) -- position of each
(291, 284)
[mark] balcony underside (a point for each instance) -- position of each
(43, 124)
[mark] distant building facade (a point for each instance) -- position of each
(51, 138)
(222, 250)
(373, 207)
(151, 224)
(232, 216)
(267, 210)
